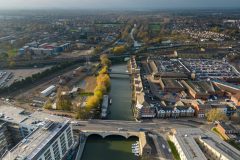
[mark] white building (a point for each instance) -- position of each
(48, 91)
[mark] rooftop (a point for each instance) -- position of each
(187, 139)
(36, 141)
(12, 114)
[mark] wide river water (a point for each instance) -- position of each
(114, 147)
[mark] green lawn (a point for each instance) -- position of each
(174, 150)
(155, 27)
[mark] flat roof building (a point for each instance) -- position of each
(196, 144)
(50, 141)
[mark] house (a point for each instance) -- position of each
(236, 98)
(175, 112)
(226, 130)
(165, 112)
(202, 109)
(186, 111)
(142, 108)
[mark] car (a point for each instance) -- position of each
(141, 129)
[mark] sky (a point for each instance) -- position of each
(116, 4)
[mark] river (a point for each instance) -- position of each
(109, 148)
(114, 147)
(121, 94)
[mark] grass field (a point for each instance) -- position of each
(155, 27)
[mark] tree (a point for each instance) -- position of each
(92, 102)
(48, 104)
(119, 49)
(82, 113)
(11, 63)
(97, 49)
(215, 115)
(104, 60)
(104, 70)
(63, 102)
(235, 117)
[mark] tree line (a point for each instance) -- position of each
(102, 87)
(32, 79)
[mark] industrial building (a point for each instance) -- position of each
(48, 91)
(171, 85)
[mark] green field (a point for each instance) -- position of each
(155, 27)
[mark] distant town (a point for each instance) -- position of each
(134, 85)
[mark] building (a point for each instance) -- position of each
(51, 141)
(171, 85)
(13, 117)
(226, 130)
(175, 111)
(133, 65)
(236, 98)
(145, 148)
(202, 109)
(196, 144)
(3, 139)
(143, 109)
(48, 91)
(199, 89)
(169, 75)
(227, 87)
(21, 123)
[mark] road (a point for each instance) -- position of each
(156, 124)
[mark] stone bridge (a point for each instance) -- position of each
(104, 134)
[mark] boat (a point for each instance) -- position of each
(136, 154)
(110, 101)
(135, 148)
(134, 151)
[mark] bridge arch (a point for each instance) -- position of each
(94, 134)
(126, 135)
(114, 135)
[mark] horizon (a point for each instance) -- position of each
(117, 4)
